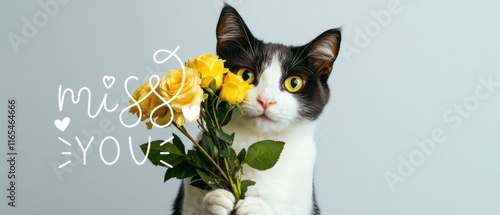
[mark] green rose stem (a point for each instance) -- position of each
(184, 131)
(236, 187)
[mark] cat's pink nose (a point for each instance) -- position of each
(266, 103)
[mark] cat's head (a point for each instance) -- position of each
(290, 81)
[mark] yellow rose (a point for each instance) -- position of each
(179, 119)
(210, 68)
(234, 89)
(190, 94)
(147, 105)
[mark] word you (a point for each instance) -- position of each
(113, 140)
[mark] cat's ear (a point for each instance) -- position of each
(322, 52)
(232, 33)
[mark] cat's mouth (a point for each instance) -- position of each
(265, 117)
(261, 117)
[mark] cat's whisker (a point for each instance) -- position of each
(297, 55)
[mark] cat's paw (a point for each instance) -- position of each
(252, 206)
(218, 202)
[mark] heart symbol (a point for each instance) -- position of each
(192, 113)
(62, 125)
(108, 81)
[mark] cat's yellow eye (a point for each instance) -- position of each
(294, 84)
(246, 74)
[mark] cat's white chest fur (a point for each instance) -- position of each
(285, 189)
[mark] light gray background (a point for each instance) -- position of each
(392, 91)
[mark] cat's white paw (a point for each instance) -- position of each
(218, 202)
(252, 206)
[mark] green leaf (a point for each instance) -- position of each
(211, 89)
(181, 171)
(177, 142)
(224, 153)
(233, 155)
(207, 179)
(242, 155)
(264, 154)
(208, 144)
(174, 157)
(224, 136)
(195, 159)
(235, 171)
(196, 181)
(244, 187)
(212, 85)
(224, 112)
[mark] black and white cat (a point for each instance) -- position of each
(290, 93)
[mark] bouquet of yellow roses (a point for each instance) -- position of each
(205, 92)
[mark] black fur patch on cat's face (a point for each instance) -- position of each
(312, 62)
